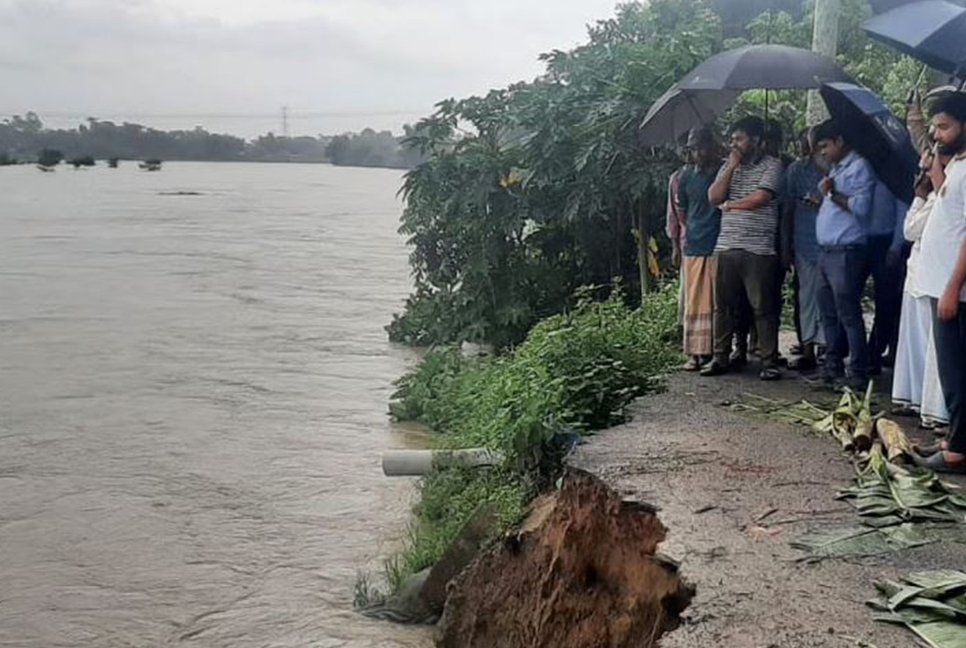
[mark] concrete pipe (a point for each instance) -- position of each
(416, 463)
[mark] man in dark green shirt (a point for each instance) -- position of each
(703, 222)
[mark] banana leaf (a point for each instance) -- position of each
(931, 604)
(864, 423)
(860, 541)
(885, 490)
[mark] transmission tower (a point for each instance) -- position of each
(284, 121)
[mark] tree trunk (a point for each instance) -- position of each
(825, 39)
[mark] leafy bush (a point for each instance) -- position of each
(575, 372)
(448, 499)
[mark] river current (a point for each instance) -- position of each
(193, 387)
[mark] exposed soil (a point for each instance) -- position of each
(733, 490)
(582, 572)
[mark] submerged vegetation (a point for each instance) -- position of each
(576, 372)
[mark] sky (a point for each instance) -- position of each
(231, 65)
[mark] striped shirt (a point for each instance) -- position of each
(752, 230)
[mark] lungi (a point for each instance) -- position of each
(699, 304)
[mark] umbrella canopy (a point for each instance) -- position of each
(770, 67)
(876, 133)
(932, 31)
(677, 112)
(712, 87)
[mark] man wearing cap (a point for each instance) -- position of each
(703, 222)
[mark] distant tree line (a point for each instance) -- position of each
(372, 149)
(23, 138)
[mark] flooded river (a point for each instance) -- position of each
(193, 387)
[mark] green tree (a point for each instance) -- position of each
(533, 190)
(49, 158)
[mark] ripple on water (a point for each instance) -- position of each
(194, 396)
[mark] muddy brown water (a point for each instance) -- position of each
(192, 404)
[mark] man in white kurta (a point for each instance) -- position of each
(942, 277)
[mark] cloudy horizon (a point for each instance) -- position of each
(231, 65)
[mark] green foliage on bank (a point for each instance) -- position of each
(576, 372)
(538, 188)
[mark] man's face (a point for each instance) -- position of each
(949, 134)
(702, 154)
(833, 150)
(744, 144)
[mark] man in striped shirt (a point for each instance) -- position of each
(746, 191)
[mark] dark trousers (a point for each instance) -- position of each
(888, 280)
(950, 340)
(840, 300)
(752, 275)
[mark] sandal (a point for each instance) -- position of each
(802, 363)
(904, 410)
(938, 463)
(770, 374)
(928, 450)
(714, 368)
(691, 365)
(738, 359)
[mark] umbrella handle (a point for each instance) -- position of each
(915, 86)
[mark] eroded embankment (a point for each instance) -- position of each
(582, 571)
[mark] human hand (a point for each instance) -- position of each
(676, 256)
(948, 307)
(812, 200)
(734, 158)
(924, 186)
(827, 185)
(937, 173)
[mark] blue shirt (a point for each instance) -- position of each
(801, 180)
(835, 226)
(888, 215)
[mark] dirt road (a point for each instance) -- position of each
(734, 489)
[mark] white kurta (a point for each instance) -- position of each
(916, 377)
(944, 232)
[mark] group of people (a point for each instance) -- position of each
(739, 226)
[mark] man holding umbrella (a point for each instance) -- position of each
(842, 232)
(942, 276)
(746, 191)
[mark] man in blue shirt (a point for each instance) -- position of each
(802, 199)
(842, 231)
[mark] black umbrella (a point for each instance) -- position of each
(771, 67)
(932, 31)
(713, 86)
(876, 133)
(676, 112)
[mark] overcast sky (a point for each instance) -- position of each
(230, 65)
